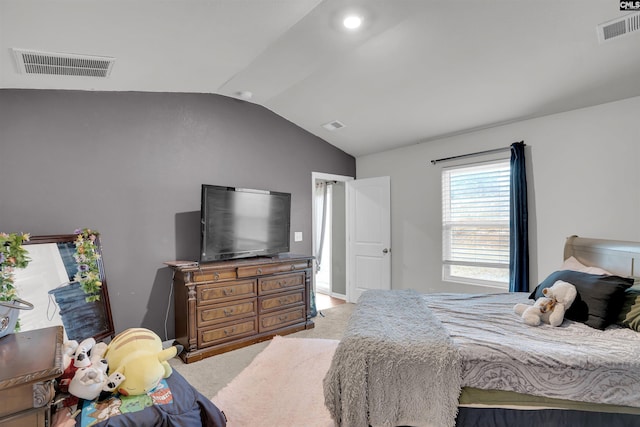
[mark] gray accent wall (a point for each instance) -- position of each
(130, 165)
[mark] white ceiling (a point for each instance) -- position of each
(417, 70)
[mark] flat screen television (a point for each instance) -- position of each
(241, 222)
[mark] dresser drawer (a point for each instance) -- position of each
(16, 399)
(213, 276)
(281, 301)
(267, 285)
(227, 332)
(32, 418)
(260, 270)
(280, 319)
(214, 314)
(221, 292)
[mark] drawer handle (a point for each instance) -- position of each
(283, 318)
(227, 291)
(228, 332)
(216, 275)
(283, 301)
(259, 271)
(293, 267)
(228, 312)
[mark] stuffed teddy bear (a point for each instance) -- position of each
(564, 293)
(549, 308)
(537, 313)
(137, 355)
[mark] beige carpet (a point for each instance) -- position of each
(282, 386)
(211, 374)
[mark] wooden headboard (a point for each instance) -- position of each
(616, 256)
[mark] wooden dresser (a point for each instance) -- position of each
(221, 306)
(29, 361)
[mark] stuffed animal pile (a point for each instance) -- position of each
(85, 370)
(132, 364)
(549, 308)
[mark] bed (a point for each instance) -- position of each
(468, 360)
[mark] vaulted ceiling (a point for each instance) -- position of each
(416, 70)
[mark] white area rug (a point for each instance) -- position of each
(281, 387)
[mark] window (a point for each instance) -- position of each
(475, 223)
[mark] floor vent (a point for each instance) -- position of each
(334, 125)
(62, 64)
(619, 27)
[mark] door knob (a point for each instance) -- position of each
(386, 251)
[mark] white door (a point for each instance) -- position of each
(369, 235)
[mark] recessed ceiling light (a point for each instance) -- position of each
(244, 94)
(352, 22)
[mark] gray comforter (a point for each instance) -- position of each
(395, 365)
(572, 361)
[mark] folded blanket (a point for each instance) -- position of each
(396, 365)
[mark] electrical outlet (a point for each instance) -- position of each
(297, 236)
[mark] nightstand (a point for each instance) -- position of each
(29, 362)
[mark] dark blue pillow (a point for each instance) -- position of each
(599, 299)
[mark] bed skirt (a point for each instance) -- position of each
(501, 417)
(496, 408)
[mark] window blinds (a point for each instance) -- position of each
(476, 215)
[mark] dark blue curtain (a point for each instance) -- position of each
(519, 222)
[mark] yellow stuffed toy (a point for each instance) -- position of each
(138, 356)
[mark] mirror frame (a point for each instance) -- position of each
(103, 304)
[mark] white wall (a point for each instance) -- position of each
(583, 171)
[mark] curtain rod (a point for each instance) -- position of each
(479, 153)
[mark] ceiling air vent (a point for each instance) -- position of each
(334, 125)
(62, 64)
(619, 27)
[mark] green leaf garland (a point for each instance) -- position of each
(87, 256)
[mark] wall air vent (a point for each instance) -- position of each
(334, 125)
(618, 27)
(62, 64)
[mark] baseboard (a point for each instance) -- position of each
(322, 290)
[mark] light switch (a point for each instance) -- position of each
(297, 236)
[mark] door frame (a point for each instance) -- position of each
(320, 176)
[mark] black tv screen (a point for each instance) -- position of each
(240, 222)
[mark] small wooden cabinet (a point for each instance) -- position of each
(29, 361)
(221, 306)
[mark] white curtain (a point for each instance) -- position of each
(321, 219)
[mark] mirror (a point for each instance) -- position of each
(48, 282)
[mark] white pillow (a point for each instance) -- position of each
(573, 264)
